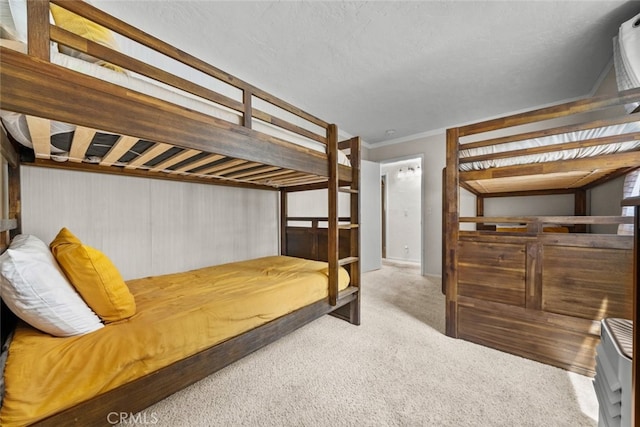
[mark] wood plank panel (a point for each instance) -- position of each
(492, 271)
(587, 282)
(529, 337)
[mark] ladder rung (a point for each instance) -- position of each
(347, 190)
(348, 260)
(348, 226)
(348, 291)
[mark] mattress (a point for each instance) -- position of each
(177, 315)
(16, 124)
(576, 153)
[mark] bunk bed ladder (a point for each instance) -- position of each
(342, 235)
(351, 311)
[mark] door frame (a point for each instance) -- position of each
(420, 158)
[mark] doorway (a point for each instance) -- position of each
(402, 210)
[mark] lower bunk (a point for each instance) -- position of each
(185, 327)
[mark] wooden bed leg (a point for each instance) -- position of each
(349, 312)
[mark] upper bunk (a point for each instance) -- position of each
(552, 158)
(78, 102)
(558, 149)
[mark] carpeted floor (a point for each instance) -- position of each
(396, 369)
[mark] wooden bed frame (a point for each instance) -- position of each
(537, 294)
(239, 156)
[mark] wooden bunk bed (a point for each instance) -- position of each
(178, 143)
(531, 290)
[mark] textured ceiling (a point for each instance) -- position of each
(371, 66)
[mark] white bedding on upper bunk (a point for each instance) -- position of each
(629, 43)
(626, 57)
(575, 153)
(16, 124)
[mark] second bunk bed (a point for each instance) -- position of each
(74, 102)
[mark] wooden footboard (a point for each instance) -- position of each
(541, 296)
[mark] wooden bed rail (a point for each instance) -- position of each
(41, 32)
(553, 112)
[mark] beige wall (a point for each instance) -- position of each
(151, 227)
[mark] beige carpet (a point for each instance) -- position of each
(396, 369)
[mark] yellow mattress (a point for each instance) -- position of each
(177, 315)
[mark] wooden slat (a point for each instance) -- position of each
(196, 164)
(174, 160)
(248, 173)
(222, 166)
(267, 175)
(149, 154)
(82, 138)
(228, 173)
(40, 131)
(122, 145)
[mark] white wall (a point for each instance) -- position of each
(151, 227)
(404, 210)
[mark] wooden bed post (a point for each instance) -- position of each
(580, 208)
(38, 29)
(333, 238)
(284, 214)
(451, 231)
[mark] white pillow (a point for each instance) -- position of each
(35, 289)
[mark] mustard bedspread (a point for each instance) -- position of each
(177, 315)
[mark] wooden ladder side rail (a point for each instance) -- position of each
(333, 231)
(354, 251)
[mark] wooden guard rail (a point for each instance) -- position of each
(41, 32)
